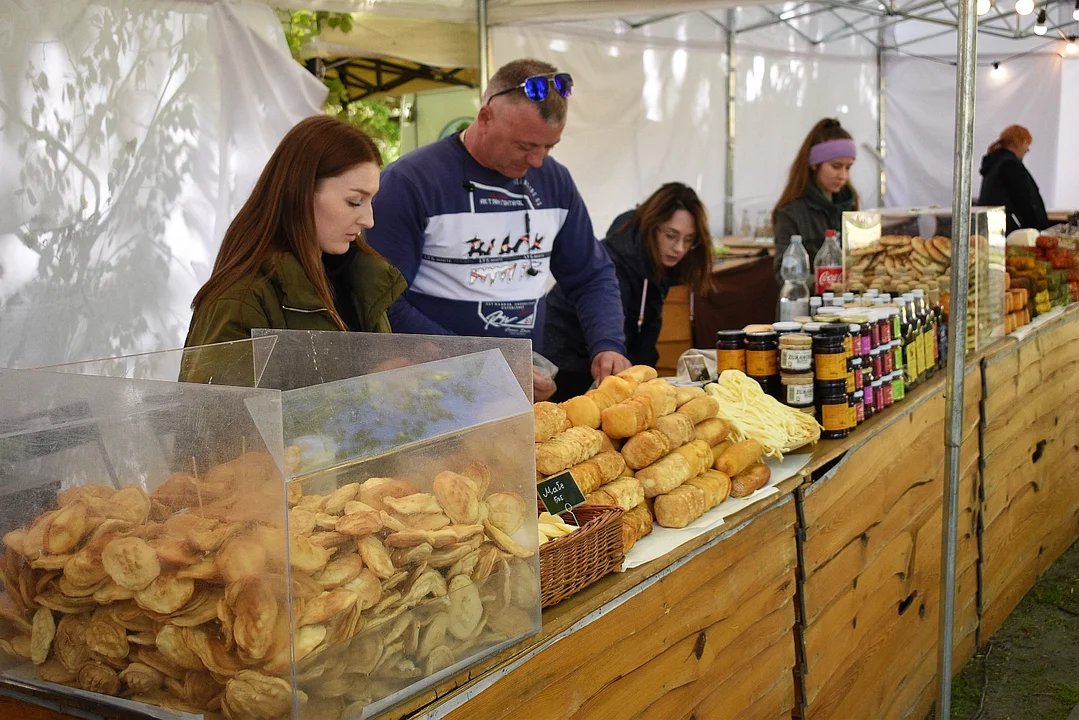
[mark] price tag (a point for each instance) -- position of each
(560, 493)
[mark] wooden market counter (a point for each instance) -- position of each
(819, 601)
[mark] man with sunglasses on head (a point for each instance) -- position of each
(478, 221)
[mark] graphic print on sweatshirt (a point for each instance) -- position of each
(485, 256)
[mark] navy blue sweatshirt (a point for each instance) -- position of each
(476, 248)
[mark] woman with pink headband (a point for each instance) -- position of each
(818, 190)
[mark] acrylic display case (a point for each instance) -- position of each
(322, 552)
(898, 250)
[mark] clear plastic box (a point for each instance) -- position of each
(393, 525)
(901, 249)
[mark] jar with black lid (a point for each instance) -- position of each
(830, 352)
(730, 350)
(762, 361)
(833, 408)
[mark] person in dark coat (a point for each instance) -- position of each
(665, 241)
(1006, 181)
(818, 191)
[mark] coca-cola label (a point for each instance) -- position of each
(828, 276)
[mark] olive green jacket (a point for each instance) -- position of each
(282, 298)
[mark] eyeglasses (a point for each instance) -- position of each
(536, 86)
(675, 238)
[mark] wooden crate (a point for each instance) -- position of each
(1031, 463)
(676, 336)
(711, 639)
(872, 555)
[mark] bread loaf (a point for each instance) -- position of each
(715, 485)
(750, 480)
(645, 448)
(699, 455)
(566, 449)
(700, 409)
(550, 420)
(636, 523)
(678, 428)
(639, 373)
(680, 506)
(612, 391)
(627, 418)
(682, 395)
(738, 457)
(718, 450)
(594, 472)
(665, 474)
(582, 411)
(626, 493)
(713, 431)
(662, 395)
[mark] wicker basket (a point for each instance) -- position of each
(575, 561)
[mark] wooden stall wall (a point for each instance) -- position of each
(1031, 463)
(676, 335)
(710, 640)
(871, 555)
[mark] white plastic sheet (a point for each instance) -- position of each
(131, 132)
(919, 121)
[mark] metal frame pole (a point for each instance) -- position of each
(732, 86)
(881, 138)
(485, 44)
(966, 55)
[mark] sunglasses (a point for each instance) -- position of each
(536, 87)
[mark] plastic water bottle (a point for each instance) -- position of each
(794, 296)
(828, 264)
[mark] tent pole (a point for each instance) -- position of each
(732, 84)
(485, 45)
(966, 55)
(881, 137)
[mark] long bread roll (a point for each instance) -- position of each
(682, 395)
(665, 474)
(680, 506)
(662, 395)
(612, 391)
(550, 420)
(594, 472)
(699, 455)
(639, 373)
(712, 431)
(718, 450)
(715, 485)
(567, 449)
(750, 480)
(626, 493)
(678, 428)
(700, 409)
(645, 448)
(627, 418)
(636, 523)
(738, 457)
(582, 411)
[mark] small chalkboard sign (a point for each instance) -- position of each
(560, 493)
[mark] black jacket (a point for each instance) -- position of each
(1006, 181)
(563, 339)
(809, 216)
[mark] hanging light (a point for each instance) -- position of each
(1024, 7)
(1075, 12)
(1070, 48)
(984, 6)
(1039, 27)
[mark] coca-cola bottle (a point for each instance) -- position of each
(828, 264)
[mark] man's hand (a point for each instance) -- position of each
(608, 363)
(543, 386)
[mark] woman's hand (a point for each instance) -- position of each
(608, 363)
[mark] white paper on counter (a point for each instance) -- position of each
(663, 540)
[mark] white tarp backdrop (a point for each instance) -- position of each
(131, 131)
(920, 119)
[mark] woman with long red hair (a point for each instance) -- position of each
(1006, 181)
(295, 256)
(818, 190)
